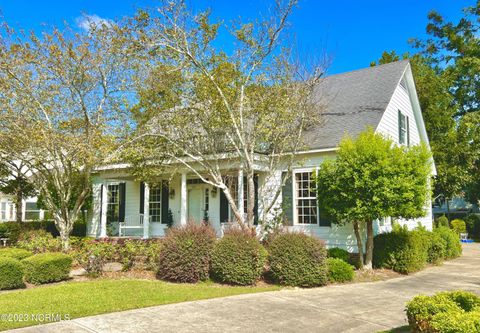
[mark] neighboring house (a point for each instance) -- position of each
(456, 207)
(381, 97)
(30, 210)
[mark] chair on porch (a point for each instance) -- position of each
(131, 223)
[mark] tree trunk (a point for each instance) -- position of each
(369, 251)
(64, 236)
(251, 199)
(356, 228)
(18, 206)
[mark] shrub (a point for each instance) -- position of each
(140, 253)
(39, 241)
(441, 221)
(473, 225)
(458, 226)
(185, 256)
(298, 260)
(454, 247)
(336, 252)
(339, 270)
(455, 311)
(238, 258)
(10, 230)
(11, 273)
(47, 267)
(434, 245)
(401, 250)
(15, 253)
(93, 254)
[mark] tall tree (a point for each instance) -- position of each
(372, 179)
(205, 109)
(62, 97)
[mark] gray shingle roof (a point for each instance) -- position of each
(353, 101)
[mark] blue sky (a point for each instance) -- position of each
(352, 33)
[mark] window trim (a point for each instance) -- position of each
(295, 198)
(118, 199)
(157, 187)
(406, 129)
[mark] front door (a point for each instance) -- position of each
(195, 204)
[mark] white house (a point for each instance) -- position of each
(381, 97)
(30, 210)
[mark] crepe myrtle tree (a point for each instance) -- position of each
(204, 109)
(372, 178)
(62, 96)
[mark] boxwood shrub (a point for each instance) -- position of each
(456, 311)
(238, 258)
(15, 253)
(458, 226)
(454, 247)
(441, 221)
(435, 246)
(336, 252)
(339, 270)
(11, 273)
(186, 251)
(296, 259)
(47, 267)
(401, 250)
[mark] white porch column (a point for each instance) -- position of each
(24, 208)
(240, 192)
(103, 216)
(41, 215)
(183, 200)
(146, 212)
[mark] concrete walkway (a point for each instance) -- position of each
(363, 307)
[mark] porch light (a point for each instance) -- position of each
(171, 193)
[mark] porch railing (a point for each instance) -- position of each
(134, 222)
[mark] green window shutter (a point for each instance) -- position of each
(287, 199)
(142, 198)
(121, 208)
(223, 207)
(165, 190)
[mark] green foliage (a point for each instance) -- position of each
(454, 247)
(402, 251)
(11, 273)
(185, 256)
(436, 247)
(93, 254)
(473, 225)
(238, 258)
(47, 267)
(140, 253)
(336, 252)
(39, 241)
(339, 270)
(444, 312)
(10, 230)
(15, 253)
(441, 221)
(458, 226)
(297, 259)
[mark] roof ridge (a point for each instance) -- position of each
(370, 68)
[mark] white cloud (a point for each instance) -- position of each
(85, 21)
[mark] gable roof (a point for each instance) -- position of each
(353, 101)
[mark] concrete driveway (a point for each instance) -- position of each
(363, 307)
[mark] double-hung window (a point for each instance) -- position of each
(3, 211)
(306, 198)
(113, 203)
(403, 129)
(155, 204)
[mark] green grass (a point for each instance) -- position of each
(79, 299)
(401, 329)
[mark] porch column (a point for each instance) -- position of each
(240, 192)
(183, 200)
(146, 212)
(103, 215)
(24, 209)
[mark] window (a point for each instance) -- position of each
(207, 199)
(306, 200)
(3, 211)
(403, 129)
(31, 211)
(155, 204)
(113, 203)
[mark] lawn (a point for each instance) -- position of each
(80, 299)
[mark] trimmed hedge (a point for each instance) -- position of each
(336, 252)
(11, 273)
(400, 250)
(435, 246)
(15, 253)
(238, 258)
(458, 226)
(47, 267)
(185, 256)
(14, 230)
(441, 221)
(339, 270)
(298, 260)
(454, 247)
(456, 311)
